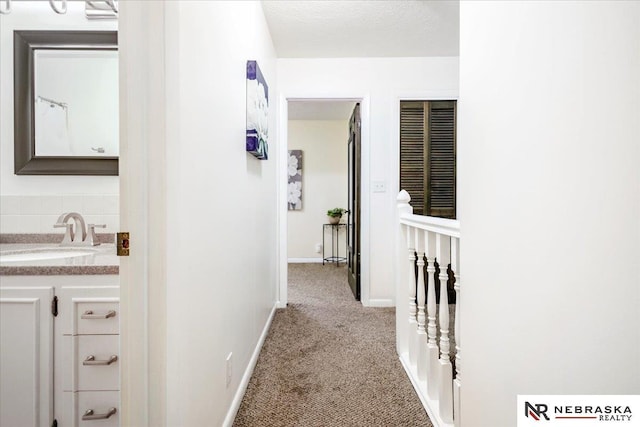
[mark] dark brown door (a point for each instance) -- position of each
(353, 234)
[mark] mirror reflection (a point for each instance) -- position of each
(76, 103)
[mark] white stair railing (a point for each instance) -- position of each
(424, 339)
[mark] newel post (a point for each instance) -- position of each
(403, 273)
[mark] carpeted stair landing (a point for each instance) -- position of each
(328, 361)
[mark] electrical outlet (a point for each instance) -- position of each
(229, 368)
(318, 248)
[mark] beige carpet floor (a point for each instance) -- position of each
(328, 361)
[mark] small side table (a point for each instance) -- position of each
(335, 243)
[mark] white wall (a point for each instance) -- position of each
(221, 206)
(211, 206)
(324, 184)
(382, 82)
(548, 133)
(33, 215)
(38, 213)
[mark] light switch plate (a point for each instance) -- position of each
(379, 187)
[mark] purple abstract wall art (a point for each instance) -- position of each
(257, 112)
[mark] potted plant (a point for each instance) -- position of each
(335, 214)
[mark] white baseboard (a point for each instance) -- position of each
(380, 303)
(244, 383)
(303, 260)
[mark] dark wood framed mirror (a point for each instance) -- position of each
(29, 159)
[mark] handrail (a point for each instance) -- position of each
(447, 227)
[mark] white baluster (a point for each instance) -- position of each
(421, 333)
(413, 321)
(455, 267)
(446, 373)
(432, 329)
(404, 270)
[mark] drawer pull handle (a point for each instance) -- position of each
(90, 415)
(90, 315)
(91, 361)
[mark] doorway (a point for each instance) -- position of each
(349, 188)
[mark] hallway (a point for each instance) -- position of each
(329, 361)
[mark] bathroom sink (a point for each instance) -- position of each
(42, 254)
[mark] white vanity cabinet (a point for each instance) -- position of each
(59, 370)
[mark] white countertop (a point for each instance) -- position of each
(102, 260)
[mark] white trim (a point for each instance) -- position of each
(304, 260)
(365, 179)
(430, 406)
(141, 109)
(147, 103)
(386, 302)
(365, 201)
(244, 383)
(282, 209)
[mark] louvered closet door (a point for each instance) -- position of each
(428, 156)
(441, 152)
(412, 153)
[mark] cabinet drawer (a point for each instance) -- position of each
(97, 317)
(103, 372)
(74, 301)
(100, 402)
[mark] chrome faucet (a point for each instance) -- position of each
(71, 235)
(76, 236)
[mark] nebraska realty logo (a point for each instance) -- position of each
(576, 410)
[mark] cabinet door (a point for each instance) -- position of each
(26, 356)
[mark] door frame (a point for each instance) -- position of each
(281, 165)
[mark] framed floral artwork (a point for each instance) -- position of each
(257, 112)
(294, 182)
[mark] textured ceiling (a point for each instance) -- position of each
(373, 28)
(320, 110)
